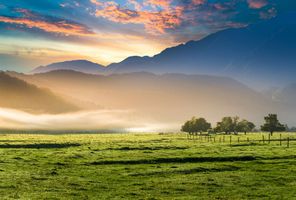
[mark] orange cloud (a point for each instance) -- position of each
(98, 3)
(61, 27)
(257, 4)
(155, 22)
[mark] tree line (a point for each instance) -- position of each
(230, 125)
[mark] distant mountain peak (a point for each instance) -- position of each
(75, 62)
(84, 66)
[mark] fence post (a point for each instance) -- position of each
(288, 142)
(280, 139)
(230, 140)
(248, 139)
(269, 138)
(238, 140)
(263, 139)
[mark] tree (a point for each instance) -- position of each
(272, 124)
(245, 126)
(201, 125)
(227, 125)
(195, 125)
(187, 127)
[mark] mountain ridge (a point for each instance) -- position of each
(252, 54)
(84, 66)
(163, 98)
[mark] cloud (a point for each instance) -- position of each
(257, 4)
(47, 24)
(198, 2)
(136, 5)
(155, 21)
(166, 16)
(165, 4)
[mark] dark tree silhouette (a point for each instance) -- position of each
(201, 125)
(272, 124)
(187, 127)
(245, 126)
(196, 125)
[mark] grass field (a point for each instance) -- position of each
(145, 166)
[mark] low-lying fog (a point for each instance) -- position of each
(117, 120)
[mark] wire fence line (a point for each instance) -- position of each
(234, 140)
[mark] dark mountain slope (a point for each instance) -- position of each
(259, 54)
(18, 94)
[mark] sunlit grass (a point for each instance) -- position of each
(146, 166)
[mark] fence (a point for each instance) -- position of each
(285, 140)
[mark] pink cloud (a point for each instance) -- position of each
(198, 2)
(257, 4)
(160, 16)
(31, 20)
(155, 21)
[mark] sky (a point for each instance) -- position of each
(34, 33)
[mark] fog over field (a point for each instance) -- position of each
(104, 120)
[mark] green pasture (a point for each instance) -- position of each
(147, 166)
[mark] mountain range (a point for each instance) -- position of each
(260, 55)
(167, 98)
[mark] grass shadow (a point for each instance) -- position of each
(148, 148)
(176, 160)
